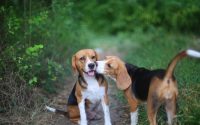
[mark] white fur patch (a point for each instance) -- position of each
(50, 109)
(83, 118)
(170, 118)
(193, 53)
(134, 117)
(100, 66)
(106, 113)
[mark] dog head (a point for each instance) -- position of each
(84, 61)
(115, 68)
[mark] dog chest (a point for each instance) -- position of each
(94, 94)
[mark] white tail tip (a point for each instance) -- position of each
(50, 109)
(193, 53)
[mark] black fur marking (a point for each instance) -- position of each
(100, 76)
(82, 82)
(72, 100)
(141, 79)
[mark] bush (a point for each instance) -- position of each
(38, 45)
(38, 40)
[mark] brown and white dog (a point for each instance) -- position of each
(89, 91)
(155, 87)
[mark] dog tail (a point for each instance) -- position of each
(172, 65)
(58, 111)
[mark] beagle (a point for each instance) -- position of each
(155, 87)
(88, 92)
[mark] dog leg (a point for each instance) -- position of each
(134, 117)
(133, 106)
(152, 112)
(106, 111)
(152, 108)
(81, 105)
(171, 110)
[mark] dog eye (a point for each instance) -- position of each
(82, 58)
(93, 57)
(109, 66)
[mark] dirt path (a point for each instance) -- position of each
(118, 110)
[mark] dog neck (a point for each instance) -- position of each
(88, 78)
(85, 80)
(82, 82)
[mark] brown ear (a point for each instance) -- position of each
(74, 63)
(97, 55)
(123, 78)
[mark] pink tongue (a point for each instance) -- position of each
(91, 73)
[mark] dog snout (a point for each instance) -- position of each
(91, 65)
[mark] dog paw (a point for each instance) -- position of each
(109, 123)
(83, 122)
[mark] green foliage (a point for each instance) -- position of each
(32, 81)
(34, 51)
(117, 16)
(29, 62)
(39, 40)
(39, 18)
(13, 25)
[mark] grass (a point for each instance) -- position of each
(155, 49)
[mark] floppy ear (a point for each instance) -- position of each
(123, 78)
(74, 63)
(97, 55)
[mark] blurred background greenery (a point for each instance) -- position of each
(38, 38)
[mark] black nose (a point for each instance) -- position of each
(91, 65)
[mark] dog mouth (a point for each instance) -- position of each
(91, 73)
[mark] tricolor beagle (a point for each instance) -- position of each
(139, 85)
(89, 91)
